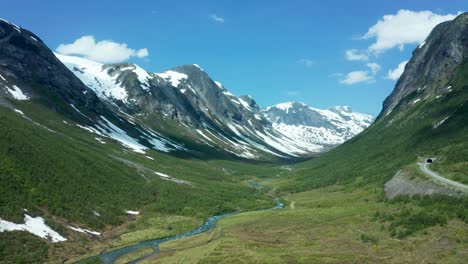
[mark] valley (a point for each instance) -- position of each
(110, 163)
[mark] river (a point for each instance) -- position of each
(111, 256)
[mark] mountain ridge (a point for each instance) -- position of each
(322, 129)
(188, 95)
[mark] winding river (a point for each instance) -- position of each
(111, 256)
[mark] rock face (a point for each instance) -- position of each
(26, 61)
(317, 128)
(435, 59)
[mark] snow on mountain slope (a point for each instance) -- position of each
(100, 79)
(318, 129)
(210, 114)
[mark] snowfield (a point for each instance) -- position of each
(95, 76)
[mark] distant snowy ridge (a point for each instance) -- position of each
(320, 129)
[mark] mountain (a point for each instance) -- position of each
(95, 157)
(30, 71)
(318, 129)
(203, 109)
(436, 59)
(71, 161)
(424, 116)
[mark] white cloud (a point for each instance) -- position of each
(217, 19)
(362, 76)
(105, 51)
(405, 27)
(356, 55)
(357, 77)
(374, 67)
(397, 72)
(141, 53)
(306, 62)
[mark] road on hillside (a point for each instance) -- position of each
(427, 171)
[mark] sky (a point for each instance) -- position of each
(322, 53)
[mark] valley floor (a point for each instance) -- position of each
(328, 225)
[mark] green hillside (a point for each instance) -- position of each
(396, 141)
(61, 172)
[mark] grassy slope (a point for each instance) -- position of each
(66, 175)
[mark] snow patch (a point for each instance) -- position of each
(33, 225)
(422, 44)
(79, 112)
(437, 124)
(19, 112)
(142, 76)
(285, 106)
(85, 231)
(17, 93)
(203, 135)
(120, 135)
(198, 66)
(16, 27)
(220, 85)
(173, 77)
(169, 178)
(100, 140)
(90, 129)
(245, 104)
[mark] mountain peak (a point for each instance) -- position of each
(287, 105)
(188, 69)
(427, 74)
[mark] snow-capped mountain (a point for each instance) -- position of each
(319, 129)
(203, 108)
(179, 110)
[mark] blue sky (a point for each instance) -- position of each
(276, 51)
